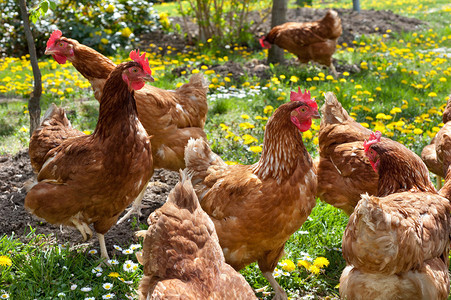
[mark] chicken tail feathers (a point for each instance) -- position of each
(183, 195)
(196, 81)
(332, 111)
(55, 113)
(198, 158)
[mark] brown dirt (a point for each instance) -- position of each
(16, 170)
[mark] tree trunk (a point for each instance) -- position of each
(34, 107)
(356, 5)
(278, 16)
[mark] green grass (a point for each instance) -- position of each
(398, 70)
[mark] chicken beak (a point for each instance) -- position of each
(316, 115)
(48, 52)
(149, 78)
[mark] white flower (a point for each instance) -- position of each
(135, 246)
(92, 251)
(129, 266)
(107, 286)
(64, 267)
(127, 251)
(86, 289)
(98, 274)
(276, 273)
(97, 270)
(113, 262)
(108, 296)
(4, 296)
(117, 248)
(61, 295)
(90, 298)
(73, 287)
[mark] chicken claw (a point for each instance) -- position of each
(84, 229)
(280, 293)
(136, 206)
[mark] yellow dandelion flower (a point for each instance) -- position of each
(395, 110)
(304, 263)
(321, 262)
(314, 269)
(255, 149)
(224, 126)
(268, 109)
(249, 139)
(294, 79)
(104, 41)
(288, 265)
(417, 131)
(114, 274)
(307, 134)
(231, 163)
(244, 116)
(126, 32)
(432, 94)
(24, 129)
(246, 125)
(5, 261)
(110, 9)
(364, 124)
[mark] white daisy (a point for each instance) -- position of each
(107, 286)
(86, 289)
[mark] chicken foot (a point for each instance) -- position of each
(332, 69)
(84, 229)
(280, 293)
(137, 204)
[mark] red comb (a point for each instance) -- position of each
(142, 60)
(304, 97)
(53, 37)
(375, 137)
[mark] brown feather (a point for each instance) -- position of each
(256, 208)
(344, 172)
(170, 117)
(92, 179)
(181, 253)
(54, 129)
(396, 245)
(309, 41)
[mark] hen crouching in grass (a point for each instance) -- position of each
(181, 255)
(91, 179)
(255, 208)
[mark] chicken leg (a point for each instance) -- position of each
(280, 293)
(103, 252)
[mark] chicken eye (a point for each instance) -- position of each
(303, 109)
(135, 70)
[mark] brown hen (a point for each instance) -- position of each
(344, 172)
(255, 208)
(396, 244)
(309, 41)
(181, 255)
(437, 155)
(91, 179)
(170, 117)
